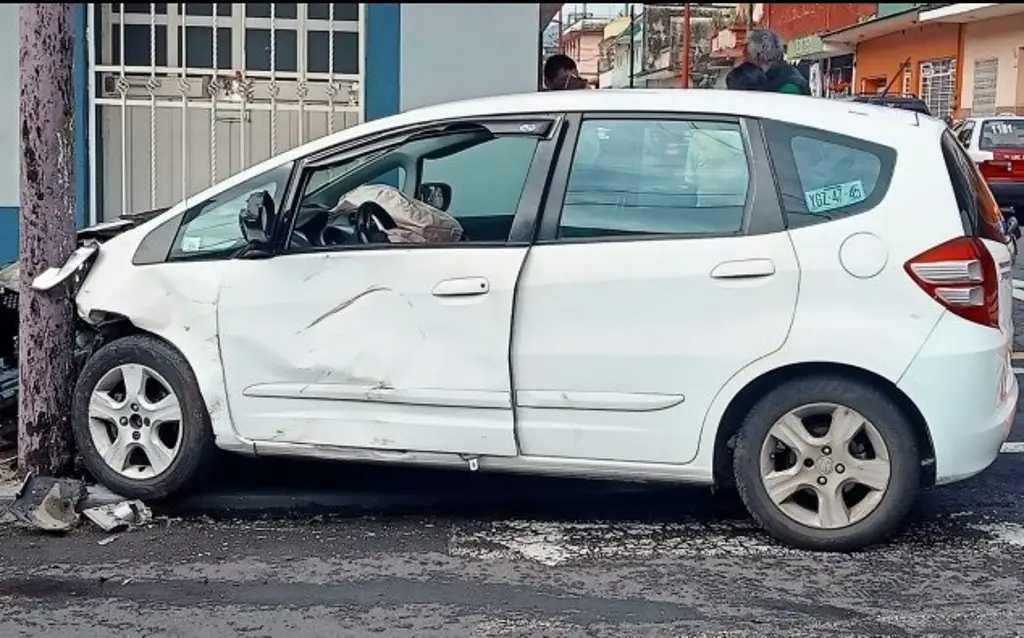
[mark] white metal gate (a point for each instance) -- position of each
(185, 94)
(938, 86)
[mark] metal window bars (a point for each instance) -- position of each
(167, 82)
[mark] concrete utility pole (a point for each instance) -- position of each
(47, 238)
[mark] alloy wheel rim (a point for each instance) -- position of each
(825, 466)
(135, 421)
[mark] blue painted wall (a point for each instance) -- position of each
(8, 234)
(9, 193)
(383, 59)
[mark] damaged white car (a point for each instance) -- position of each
(630, 285)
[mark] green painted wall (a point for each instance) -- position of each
(889, 8)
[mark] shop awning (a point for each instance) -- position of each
(971, 12)
(873, 28)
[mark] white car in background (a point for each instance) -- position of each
(683, 286)
(996, 145)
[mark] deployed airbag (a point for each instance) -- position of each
(416, 222)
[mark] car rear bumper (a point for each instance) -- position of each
(1008, 193)
(962, 382)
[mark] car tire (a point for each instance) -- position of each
(880, 412)
(195, 448)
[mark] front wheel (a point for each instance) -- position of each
(827, 464)
(139, 420)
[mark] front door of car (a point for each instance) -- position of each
(661, 270)
(393, 346)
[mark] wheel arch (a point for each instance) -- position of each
(757, 388)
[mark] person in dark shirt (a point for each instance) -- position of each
(765, 49)
(561, 74)
(746, 77)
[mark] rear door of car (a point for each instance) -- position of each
(661, 269)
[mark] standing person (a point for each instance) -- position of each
(746, 77)
(561, 74)
(764, 48)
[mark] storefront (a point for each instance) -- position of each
(993, 47)
(899, 54)
(827, 66)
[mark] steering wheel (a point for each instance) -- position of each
(371, 223)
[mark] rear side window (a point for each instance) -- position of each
(964, 134)
(823, 176)
(633, 177)
(979, 212)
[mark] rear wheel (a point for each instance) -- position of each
(139, 420)
(827, 464)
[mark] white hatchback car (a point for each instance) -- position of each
(686, 286)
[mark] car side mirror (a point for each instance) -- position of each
(437, 194)
(258, 217)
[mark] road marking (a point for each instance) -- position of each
(1018, 283)
(1012, 447)
(1017, 356)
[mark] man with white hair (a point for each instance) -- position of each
(765, 49)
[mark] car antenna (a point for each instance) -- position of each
(898, 74)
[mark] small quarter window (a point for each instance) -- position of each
(211, 228)
(824, 176)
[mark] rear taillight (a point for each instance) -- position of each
(962, 276)
(996, 169)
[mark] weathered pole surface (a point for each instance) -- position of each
(47, 237)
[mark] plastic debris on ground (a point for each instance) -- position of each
(48, 504)
(119, 516)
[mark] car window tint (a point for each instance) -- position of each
(486, 179)
(823, 176)
(212, 227)
(651, 177)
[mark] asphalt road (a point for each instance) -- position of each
(510, 556)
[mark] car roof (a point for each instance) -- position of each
(843, 117)
(982, 118)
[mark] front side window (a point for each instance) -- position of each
(824, 176)
(463, 186)
(656, 177)
(212, 228)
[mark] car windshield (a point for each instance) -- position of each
(1007, 133)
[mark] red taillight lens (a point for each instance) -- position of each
(997, 169)
(962, 276)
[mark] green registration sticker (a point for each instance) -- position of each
(832, 197)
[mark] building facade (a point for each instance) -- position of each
(959, 58)
(992, 38)
(172, 97)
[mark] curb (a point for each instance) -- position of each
(339, 503)
(95, 495)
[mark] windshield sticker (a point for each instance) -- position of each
(822, 200)
(191, 244)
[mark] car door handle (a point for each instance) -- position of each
(462, 287)
(744, 269)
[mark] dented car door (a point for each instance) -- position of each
(391, 347)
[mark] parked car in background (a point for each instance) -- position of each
(996, 145)
(905, 101)
(676, 286)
